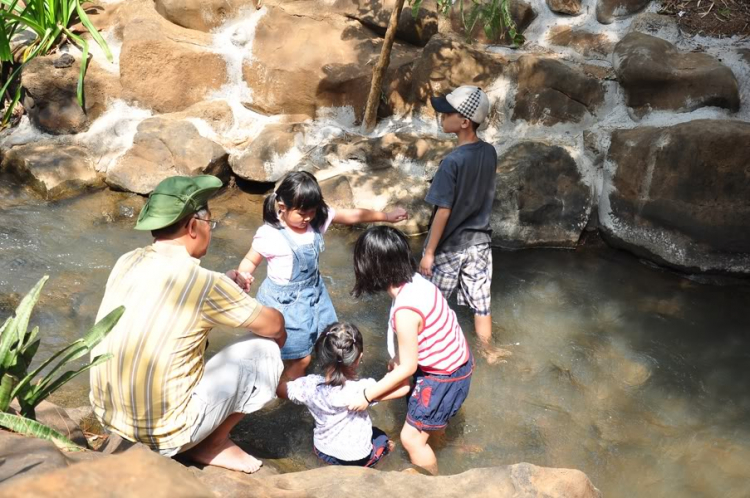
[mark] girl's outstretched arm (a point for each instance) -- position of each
(399, 392)
(408, 324)
(354, 216)
(248, 265)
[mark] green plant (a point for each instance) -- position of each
(18, 346)
(493, 15)
(50, 22)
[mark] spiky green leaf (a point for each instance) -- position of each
(28, 427)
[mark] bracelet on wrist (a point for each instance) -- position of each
(366, 398)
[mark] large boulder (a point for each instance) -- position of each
(375, 14)
(569, 7)
(164, 147)
(415, 154)
(589, 45)
(609, 10)
(52, 170)
(136, 472)
(551, 92)
(51, 101)
(327, 63)
(679, 194)
(201, 15)
(521, 480)
(23, 456)
(444, 65)
(656, 75)
(167, 68)
(541, 198)
(278, 149)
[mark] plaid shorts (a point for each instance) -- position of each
(471, 270)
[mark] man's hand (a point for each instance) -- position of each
(243, 279)
(396, 215)
(425, 266)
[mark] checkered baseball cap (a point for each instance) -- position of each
(469, 101)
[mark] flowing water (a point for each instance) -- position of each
(635, 375)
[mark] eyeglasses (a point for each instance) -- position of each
(211, 223)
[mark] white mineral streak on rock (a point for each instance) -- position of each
(108, 138)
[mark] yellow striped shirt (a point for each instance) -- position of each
(171, 303)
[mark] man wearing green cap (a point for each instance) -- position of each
(157, 388)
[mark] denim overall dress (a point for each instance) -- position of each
(304, 300)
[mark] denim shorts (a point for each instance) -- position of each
(307, 310)
(379, 450)
(436, 398)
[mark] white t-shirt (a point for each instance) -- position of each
(269, 243)
(338, 432)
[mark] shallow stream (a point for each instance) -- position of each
(635, 375)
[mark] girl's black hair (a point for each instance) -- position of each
(338, 348)
(298, 190)
(382, 259)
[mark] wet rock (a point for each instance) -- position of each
(27, 457)
(569, 7)
(328, 63)
(224, 482)
(381, 190)
(276, 151)
(678, 195)
(53, 171)
(590, 45)
(522, 480)
(376, 15)
(664, 27)
(51, 101)
(421, 153)
(65, 60)
(167, 68)
(609, 10)
(201, 15)
(541, 198)
(215, 113)
(163, 147)
(338, 192)
(656, 75)
(520, 11)
(447, 64)
(137, 472)
(550, 92)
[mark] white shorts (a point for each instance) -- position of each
(241, 378)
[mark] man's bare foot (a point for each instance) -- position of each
(227, 455)
(493, 354)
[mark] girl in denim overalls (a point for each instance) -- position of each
(291, 239)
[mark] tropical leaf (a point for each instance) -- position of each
(39, 395)
(27, 427)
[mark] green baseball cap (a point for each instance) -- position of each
(174, 198)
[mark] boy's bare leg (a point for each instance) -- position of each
(483, 327)
(220, 451)
(293, 369)
(420, 453)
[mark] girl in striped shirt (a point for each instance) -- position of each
(431, 345)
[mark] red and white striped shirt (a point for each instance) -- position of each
(442, 347)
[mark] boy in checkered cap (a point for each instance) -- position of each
(457, 252)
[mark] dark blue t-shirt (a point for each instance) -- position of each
(465, 183)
